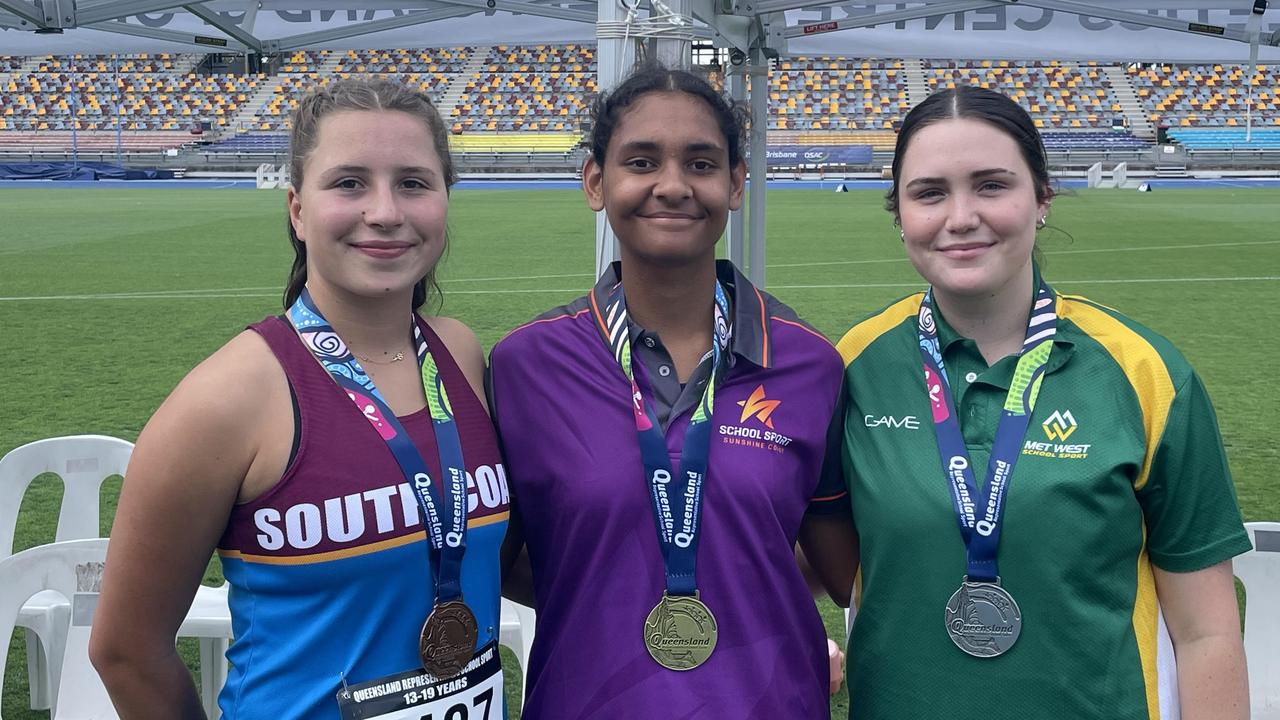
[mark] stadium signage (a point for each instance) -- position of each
(820, 27)
(793, 155)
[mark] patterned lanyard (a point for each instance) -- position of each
(978, 513)
(677, 501)
(447, 536)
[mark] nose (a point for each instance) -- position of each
(382, 208)
(962, 213)
(671, 184)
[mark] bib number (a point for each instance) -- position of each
(474, 694)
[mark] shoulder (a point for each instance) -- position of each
(565, 319)
(218, 414)
(1147, 358)
(792, 334)
(460, 340)
(235, 377)
(877, 325)
(463, 346)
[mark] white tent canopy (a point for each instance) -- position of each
(1165, 30)
(1227, 31)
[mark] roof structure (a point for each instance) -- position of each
(1097, 30)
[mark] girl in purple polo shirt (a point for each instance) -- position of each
(666, 435)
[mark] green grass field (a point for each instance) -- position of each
(108, 297)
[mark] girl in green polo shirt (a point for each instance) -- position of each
(1046, 516)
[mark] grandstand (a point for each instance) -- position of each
(529, 102)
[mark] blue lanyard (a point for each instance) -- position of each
(677, 500)
(447, 536)
(980, 513)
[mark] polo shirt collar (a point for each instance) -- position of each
(1063, 346)
(749, 340)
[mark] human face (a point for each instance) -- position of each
(666, 183)
(968, 209)
(372, 207)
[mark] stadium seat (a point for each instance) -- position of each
(1259, 572)
(82, 463)
(69, 570)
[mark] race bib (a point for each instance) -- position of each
(473, 694)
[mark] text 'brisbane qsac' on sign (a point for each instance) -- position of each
(794, 155)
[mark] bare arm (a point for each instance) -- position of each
(1204, 624)
(191, 463)
(828, 554)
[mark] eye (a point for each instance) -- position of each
(348, 183)
(703, 166)
(640, 163)
(415, 184)
(991, 186)
(927, 195)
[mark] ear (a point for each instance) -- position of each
(593, 183)
(294, 204)
(737, 180)
(1042, 209)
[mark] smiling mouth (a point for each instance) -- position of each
(966, 249)
(383, 249)
(671, 216)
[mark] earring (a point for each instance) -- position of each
(902, 234)
(1044, 220)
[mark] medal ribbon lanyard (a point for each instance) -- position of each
(447, 536)
(979, 513)
(677, 501)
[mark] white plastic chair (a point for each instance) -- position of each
(83, 462)
(1259, 572)
(65, 569)
(516, 632)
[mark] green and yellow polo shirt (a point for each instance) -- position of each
(1122, 468)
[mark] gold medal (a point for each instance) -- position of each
(680, 632)
(448, 639)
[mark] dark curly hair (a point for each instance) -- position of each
(607, 107)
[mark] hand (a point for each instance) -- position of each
(836, 656)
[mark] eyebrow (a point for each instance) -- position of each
(977, 174)
(361, 169)
(653, 146)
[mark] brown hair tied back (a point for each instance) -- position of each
(348, 95)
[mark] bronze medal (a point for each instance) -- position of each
(448, 639)
(680, 632)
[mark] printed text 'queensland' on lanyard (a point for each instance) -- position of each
(447, 535)
(677, 501)
(979, 512)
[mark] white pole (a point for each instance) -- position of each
(614, 59)
(737, 82)
(759, 73)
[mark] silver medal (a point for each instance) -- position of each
(982, 619)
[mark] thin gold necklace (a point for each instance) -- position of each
(394, 359)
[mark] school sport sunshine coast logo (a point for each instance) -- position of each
(1059, 426)
(757, 411)
(758, 406)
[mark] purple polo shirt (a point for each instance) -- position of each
(563, 408)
